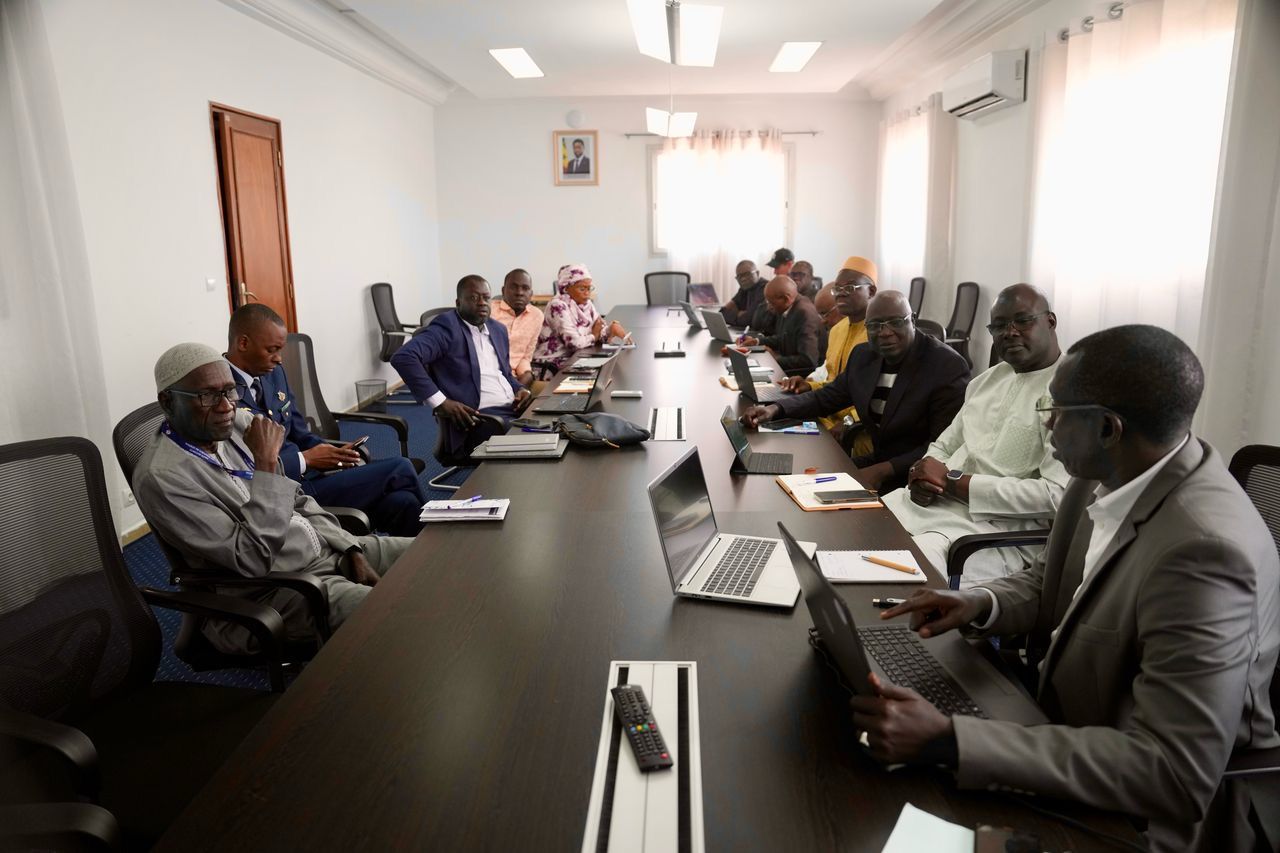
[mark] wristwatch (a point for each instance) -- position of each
(848, 422)
(953, 477)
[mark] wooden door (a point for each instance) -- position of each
(254, 222)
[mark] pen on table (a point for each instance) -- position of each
(888, 564)
(536, 429)
(817, 480)
(886, 603)
(472, 499)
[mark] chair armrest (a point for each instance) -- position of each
(352, 520)
(1253, 762)
(304, 583)
(966, 546)
(263, 621)
(58, 826)
(70, 745)
(493, 419)
(396, 423)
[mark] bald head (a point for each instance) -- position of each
(825, 302)
(1026, 294)
(888, 303)
(780, 293)
(891, 331)
(1024, 328)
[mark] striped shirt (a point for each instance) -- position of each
(880, 396)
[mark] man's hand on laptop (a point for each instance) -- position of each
(757, 415)
(794, 384)
(902, 726)
(936, 611)
(459, 413)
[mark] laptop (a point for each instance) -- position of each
(747, 383)
(703, 295)
(946, 670)
(719, 329)
(578, 402)
(701, 561)
(745, 460)
(695, 316)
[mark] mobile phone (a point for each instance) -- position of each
(527, 422)
(782, 423)
(1004, 839)
(358, 443)
(841, 496)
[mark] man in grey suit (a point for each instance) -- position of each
(1152, 613)
(211, 483)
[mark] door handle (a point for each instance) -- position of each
(246, 294)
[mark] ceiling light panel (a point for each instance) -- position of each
(699, 35)
(794, 55)
(649, 22)
(517, 62)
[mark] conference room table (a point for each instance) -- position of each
(460, 708)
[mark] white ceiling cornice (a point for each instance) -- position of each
(319, 25)
(951, 28)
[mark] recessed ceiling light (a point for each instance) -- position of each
(518, 63)
(664, 27)
(794, 55)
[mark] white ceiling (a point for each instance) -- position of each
(586, 47)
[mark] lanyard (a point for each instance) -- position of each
(199, 453)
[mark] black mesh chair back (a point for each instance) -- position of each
(131, 437)
(966, 309)
(1257, 469)
(394, 333)
(300, 367)
(430, 314)
(932, 329)
(74, 630)
(666, 288)
(915, 298)
(817, 283)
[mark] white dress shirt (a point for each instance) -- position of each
(495, 390)
(1107, 513)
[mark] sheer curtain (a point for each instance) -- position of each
(720, 197)
(1129, 126)
(917, 165)
(54, 383)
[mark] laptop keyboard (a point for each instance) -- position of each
(769, 393)
(770, 463)
(739, 569)
(906, 661)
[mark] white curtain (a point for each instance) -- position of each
(1129, 125)
(721, 197)
(54, 383)
(917, 167)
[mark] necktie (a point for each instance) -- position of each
(258, 395)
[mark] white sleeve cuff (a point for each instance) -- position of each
(995, 609)
(436, 399)
(302, 464)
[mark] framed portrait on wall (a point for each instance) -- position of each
(577, 157)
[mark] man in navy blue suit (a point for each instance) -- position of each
(460, 365)
(387, 490)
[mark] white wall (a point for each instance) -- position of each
(500, 208)
(136, 78)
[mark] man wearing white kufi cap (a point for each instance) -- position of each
(211, 484)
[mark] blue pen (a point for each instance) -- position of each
(824, 480)
(475, 498)
(535, 429)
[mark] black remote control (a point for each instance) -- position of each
(640, 728)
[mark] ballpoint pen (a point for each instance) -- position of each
(817, 480)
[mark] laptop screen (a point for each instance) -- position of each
(830, 616)
(737, 435)
(682, 511)
(703, 294)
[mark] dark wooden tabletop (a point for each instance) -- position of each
(460, 707)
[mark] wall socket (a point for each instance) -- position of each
(127, 498)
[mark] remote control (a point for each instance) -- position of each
(640, 728)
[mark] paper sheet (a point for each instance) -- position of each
(917, 830)
(849, 567)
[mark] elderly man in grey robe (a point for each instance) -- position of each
(992, 469)
(211, 484)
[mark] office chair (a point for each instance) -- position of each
(962, 316)
(58, 826)
(130, 438)
(300, 367)
(394, 333)
(666, 288)
(81, 715)
(454, 462)
(430, 314)
(915, 298)
(932, 329)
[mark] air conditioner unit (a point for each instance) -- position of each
(995, 81)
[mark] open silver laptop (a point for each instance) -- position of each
(694, 315)
(701, 561)
(719, 329)
(946, 670)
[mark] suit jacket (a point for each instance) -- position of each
(442, 357)
(280, 407)
(927, 393)
(796, 338)
(1159, 667)
(583, 168)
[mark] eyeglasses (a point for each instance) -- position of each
(1049, 412)
(895, 323)
(844, 289)
(1021, 322)
(209, 399)
(587, 288)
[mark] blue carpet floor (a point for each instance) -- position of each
(148, 567)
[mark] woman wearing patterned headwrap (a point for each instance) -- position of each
(571, 321)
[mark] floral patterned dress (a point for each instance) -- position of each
(566, 328)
